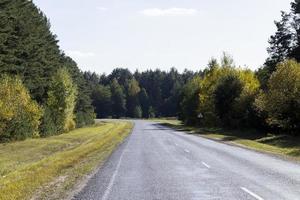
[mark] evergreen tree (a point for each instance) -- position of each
(226, 94)
(30, 50)
(284, 44)
(27, 47)
(102, 101)
(84, 110)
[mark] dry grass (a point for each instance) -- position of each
(31, 166)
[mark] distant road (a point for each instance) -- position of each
(159, 163)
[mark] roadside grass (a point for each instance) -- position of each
(284, 145)
(46, 168)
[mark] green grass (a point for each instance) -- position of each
(46, 168)
(284, 145)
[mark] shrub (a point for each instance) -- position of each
(19, 114)
(84, 118)
(281, 102)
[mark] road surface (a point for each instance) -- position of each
(156, 162)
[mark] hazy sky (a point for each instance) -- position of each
(138, 34)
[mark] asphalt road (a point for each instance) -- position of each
(156, 162)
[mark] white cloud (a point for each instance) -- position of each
(80, 54)
(100, 8)
(156, 12)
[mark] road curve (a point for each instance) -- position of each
(156, 162)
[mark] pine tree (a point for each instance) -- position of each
(101, 96)
(29, 49)
(284, 44)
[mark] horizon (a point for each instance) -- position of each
(161, 35)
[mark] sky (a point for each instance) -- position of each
(101, 35)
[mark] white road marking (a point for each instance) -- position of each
(187, 151)
(252, 194)
(112, 179)
(206, 165)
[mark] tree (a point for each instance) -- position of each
(118, 99)
(226, 93)
(206, 99)
(132, 98)
(151, 112)
(60, 104)
(144, 101)
(242, 113)
(226, 60)
(245, 114)
(284, 44)
(137, 113)
(190, 101)
(19, 114)
(27, 46)
(84, 110)
(30, 50)
(102, 101)
(281, 101)
(121, 75)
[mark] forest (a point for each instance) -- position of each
(43, 92)
(40, 85)
(220, 95)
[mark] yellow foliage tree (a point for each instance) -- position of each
(281, 102)
(242, 108)
(19, 114)
(59, 112)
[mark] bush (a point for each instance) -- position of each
(84, 118)
(19, 114)
(281, 102)
(48, 126)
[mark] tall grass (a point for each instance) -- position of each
(28, 166)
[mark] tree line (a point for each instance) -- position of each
(39, 84)
(149, 94)
(229, 96)
(222, 94)
(43, 92)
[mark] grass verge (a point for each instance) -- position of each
(46, 168)
(284, 145)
